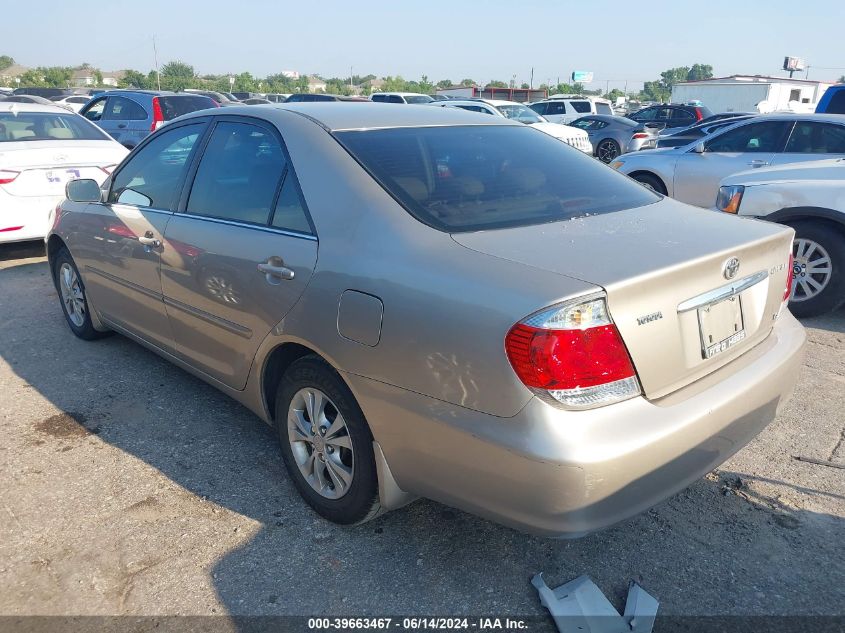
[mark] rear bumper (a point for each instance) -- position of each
(564, 474)
(25, 217)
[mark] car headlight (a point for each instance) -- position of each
(729, 198)
(617, 164)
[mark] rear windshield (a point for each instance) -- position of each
(418, 99)
(172, 107)
(603, 108)
(470, 178)
(46, 126)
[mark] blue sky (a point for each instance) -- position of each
(452, 39)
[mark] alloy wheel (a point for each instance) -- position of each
(811, 270)
(607, 151)
(73, 296)
(320, 443)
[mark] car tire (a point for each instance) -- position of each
(651, 181)
(73, 298)
(607, 150)
(318, 461)
(816, 241)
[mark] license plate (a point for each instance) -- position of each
(62, 175)
(721, 326)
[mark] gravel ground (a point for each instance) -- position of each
(129, 487)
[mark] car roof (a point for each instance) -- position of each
(798, 116)
(470, 101)
(608, 118)
(17, 106)
(403, 94)
(338, 116)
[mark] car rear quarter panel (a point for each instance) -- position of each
(446, 309)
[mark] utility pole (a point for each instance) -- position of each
(155, 55)
(531, 83)
(351, 87)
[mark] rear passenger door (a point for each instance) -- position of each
(813, 140)
(246, 249)
(123, 119)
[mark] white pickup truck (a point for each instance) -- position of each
(809, 197)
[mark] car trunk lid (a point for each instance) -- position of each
(663, 269)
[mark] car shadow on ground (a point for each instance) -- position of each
(741, 551)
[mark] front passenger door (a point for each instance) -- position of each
(122, 243)
(246, 246)
(697, 175)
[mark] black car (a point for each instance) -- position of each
(697, 131)
(668, 116)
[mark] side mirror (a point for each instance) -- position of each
(83, 190)
(698, 148)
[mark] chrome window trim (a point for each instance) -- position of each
(247, 225)
(722, 292)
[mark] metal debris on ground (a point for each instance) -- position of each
(580, 606)
(820, 462)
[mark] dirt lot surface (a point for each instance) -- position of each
(129, 487)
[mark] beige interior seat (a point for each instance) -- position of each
(414, 187)
(19, 134)
(59, 132)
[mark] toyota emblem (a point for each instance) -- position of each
(731, 268)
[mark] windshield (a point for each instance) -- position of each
(418, 99)
(470, 178)
(520, 113)
(47, 126)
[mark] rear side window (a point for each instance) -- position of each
(153, 176)
(379, 98)
(470, 178)
(816, 138)
(682, 116)
(238, 174)
(175, 106)
(123, 109)
(581, 106)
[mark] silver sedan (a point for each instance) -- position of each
(612, 136)
(433, 302)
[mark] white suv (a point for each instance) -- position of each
(809, 197)
(577, 138)
(401, 97)
(565, 109)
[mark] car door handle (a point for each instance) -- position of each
(121, 125)
(148, 240)
(279, 272)
(759, 163)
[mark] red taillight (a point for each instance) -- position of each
(640, 135)
(790, 275)
(11, 228)
(568, 359)
(158, 117)
(698, 114)
(573, 354)
(7, 176)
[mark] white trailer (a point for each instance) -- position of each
(751, 93)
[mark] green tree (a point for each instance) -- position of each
(426, 86)
(176, 75)
(699, 72)
(445, 83)
(98, 78)
(5, 62)
(134, 79)
(497, 84)
(614, 94)
(524, 86)
(841, 80)
(467, 82)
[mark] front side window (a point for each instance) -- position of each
(94, 112)
(238, 174)
(469, 178)
(816, 138)
(519, 113)
(153, 176)
(766, 136)
(539, 108)
(682, 116)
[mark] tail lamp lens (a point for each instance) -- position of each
(573, 355)
(790, 276)
(7, 176)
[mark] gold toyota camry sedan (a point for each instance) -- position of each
(433, 302)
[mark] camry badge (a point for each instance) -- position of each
(648, 318)
(730, 268)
